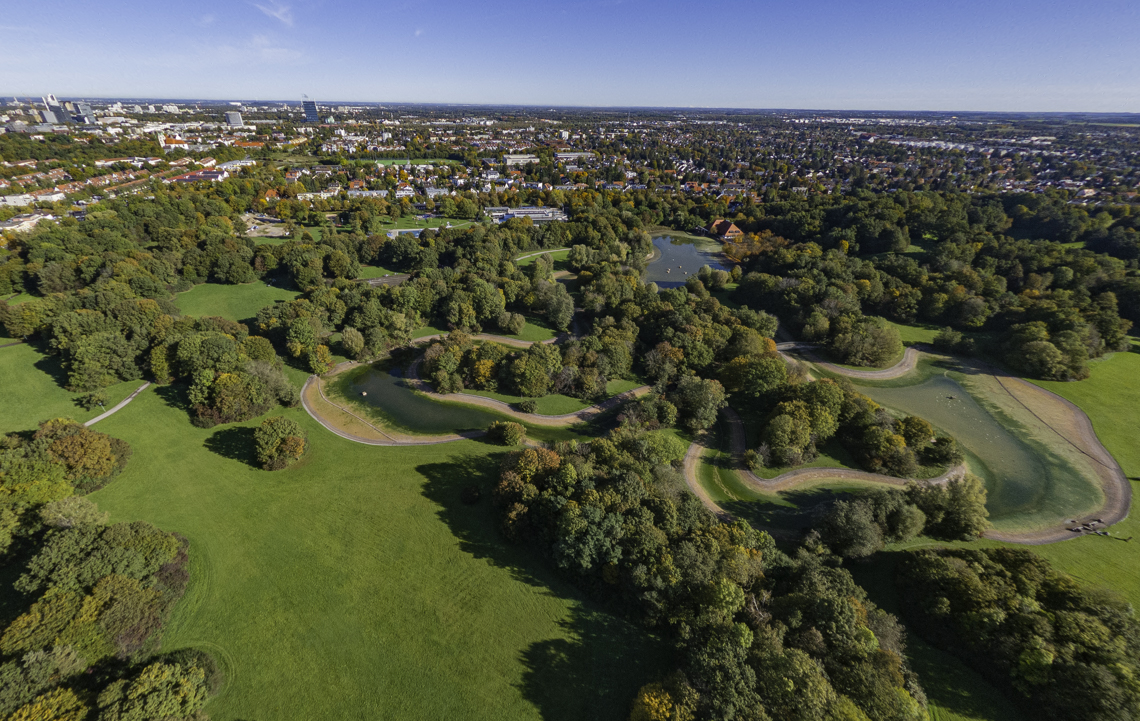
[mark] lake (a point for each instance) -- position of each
(681, 258)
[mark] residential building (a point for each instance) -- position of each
(724, 229)
(510, 160)
(24, 221)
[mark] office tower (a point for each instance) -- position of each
(311, 115)
(233, 119)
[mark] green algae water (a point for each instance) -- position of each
(1028, 484)
(387, 395)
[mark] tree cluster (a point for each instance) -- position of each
(1062, 651)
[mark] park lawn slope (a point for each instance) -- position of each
(234, 302)
(32, 390)
(1111, 398)
(356, 585)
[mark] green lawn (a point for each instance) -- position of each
(32, 390)
(1111, 398)
(375, 271)
(358, 586)
(235, 302)
(409, 222)
(559, 257)
(535, 329)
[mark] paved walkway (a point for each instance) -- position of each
(904, 366)
(119, 405)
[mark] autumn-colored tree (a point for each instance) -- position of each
(280, 442)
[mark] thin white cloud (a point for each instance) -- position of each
(206, 20)
(419, 33)
(284, 13)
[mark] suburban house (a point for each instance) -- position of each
(724, 229)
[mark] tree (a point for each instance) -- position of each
(320, 360)
(352, 341)
(159, 691)
(60, 704)
(280, 442)
(506, 433)
(698, 400)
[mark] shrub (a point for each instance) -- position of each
(511, 323)
(280, 443)
(506, 433)
(527, 406)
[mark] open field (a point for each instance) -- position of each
(1111, 398)
(32, 390)
(356, 585)
(235, 302)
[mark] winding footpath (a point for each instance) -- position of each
(1078, 433)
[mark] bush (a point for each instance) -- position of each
(280, 443)
(506, 433)
(527, 406)
(511, 323)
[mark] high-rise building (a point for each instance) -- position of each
(311, 115)
(233, 119)
(55, 109)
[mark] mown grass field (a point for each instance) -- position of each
(32, 390)
(235, 302)
(1111, 398)
(358, 586)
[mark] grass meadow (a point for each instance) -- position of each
(235, 302)
(32, 390)
(358, 586)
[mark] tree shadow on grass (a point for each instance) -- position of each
(174, 395)
(596, 669)
(50, 364)
(235, 443)
(475, 525)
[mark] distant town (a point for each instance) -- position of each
(454, 152)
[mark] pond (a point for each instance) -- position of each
(682, 257)
(392, 400)
(1027, 484)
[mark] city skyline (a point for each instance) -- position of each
(1010, 56)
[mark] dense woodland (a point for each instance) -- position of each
(1063, 651)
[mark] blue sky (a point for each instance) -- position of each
(1014, 55)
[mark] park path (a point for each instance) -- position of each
(904, 366)
(559, 421)
(118, 406)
